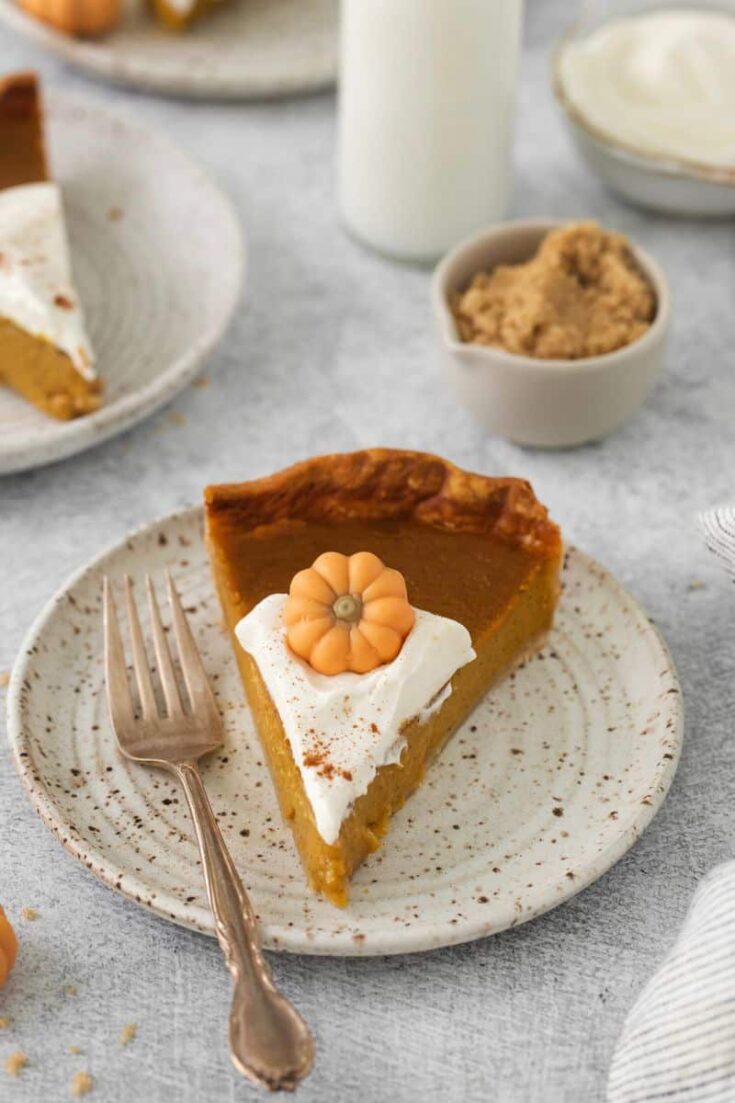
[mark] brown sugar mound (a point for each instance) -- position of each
(583, 294)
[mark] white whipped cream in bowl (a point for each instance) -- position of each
(650, 102)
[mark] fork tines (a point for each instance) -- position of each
(200, 697)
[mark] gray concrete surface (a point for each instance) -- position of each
(333, 349)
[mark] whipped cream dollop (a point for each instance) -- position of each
(662, 83)
(36, 290)
(343, 728)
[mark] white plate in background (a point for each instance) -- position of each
(246, 49)
(157, 254)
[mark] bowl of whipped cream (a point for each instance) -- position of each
(649, 99)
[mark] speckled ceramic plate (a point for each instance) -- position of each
(157, 256)
(248, 49)
(551, 780)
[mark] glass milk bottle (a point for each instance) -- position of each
(426, 104)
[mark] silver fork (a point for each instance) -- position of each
(269, 1041)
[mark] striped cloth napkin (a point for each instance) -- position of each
(678, 1042)
(719, 532)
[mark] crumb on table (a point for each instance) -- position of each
(4, 678)
(15, 1063)
(71, 990)
(30, 914)
(81, 1084)
(5, 1022)
(127, 1034)
(74, 1050)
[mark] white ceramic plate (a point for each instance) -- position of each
(250, 48)
(157, 256)
(553, 778)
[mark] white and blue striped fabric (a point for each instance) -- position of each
(719, 532)
(678, 1042)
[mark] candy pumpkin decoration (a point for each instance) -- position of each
(76, 17)
(347, 613)
(8, 947)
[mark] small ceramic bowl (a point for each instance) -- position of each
(660, 183)
(542, 403)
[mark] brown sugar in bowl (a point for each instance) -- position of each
(545, 403)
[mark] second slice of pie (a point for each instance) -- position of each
(45, 354)
(373, 599)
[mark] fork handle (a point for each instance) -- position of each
(269, 1041)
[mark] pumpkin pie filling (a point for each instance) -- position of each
(478, 552)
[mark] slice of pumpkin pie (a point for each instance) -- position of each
(45, 354)
(373, 599)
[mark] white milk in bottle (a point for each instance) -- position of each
(426, 104)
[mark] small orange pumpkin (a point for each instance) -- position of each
(347, 613)
(77, 17)
(8, 947)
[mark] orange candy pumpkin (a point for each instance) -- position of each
(347, 613)
(8, 947)
(77, 17)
